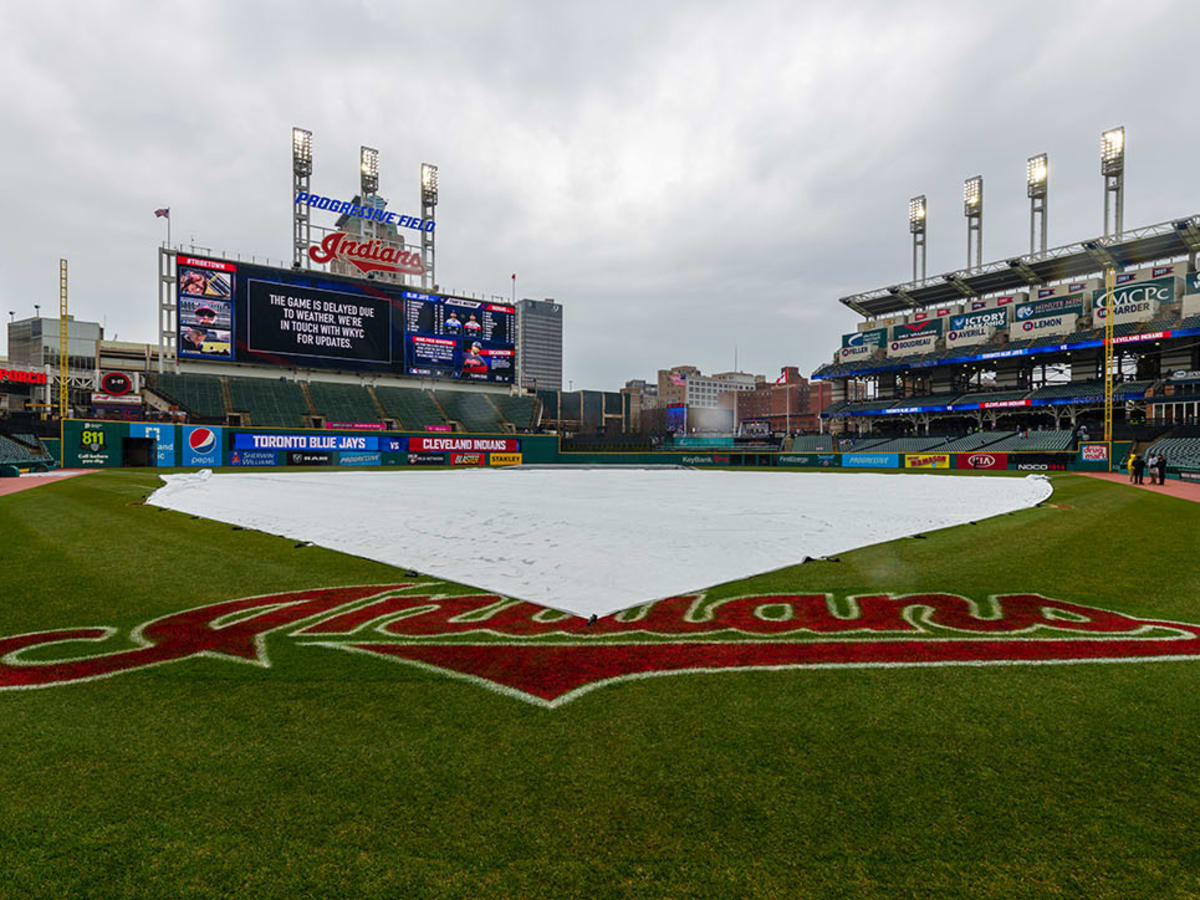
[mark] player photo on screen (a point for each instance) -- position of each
(197, 340)
(474, 363)
(195, 282)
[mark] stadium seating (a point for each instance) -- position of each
(976, 441)
(33, 443)
(908, 445)
(412, 408)
(1181, 452)
(1074, 389)
(13, 452)
(812, 443)
(475, 411)
(1036, 440)
(991, 396)
(520, 410)
(200, 395)
(343, 402)
(269, 402)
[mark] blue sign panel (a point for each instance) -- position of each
(201, 445)
(253, 458)
(394, 445)
(254, 441)
(871, 460)
(360, 459)
(163, 437)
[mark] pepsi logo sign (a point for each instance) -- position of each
(202, 440)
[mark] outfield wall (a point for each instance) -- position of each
(90, 443)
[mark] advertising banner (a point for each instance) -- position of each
(253, 458)
(863, 343)
(915, 329)
(464, 444)
(871, 460)
(200, 445)
(826, 460)
(360, 459)
(163, 437)
(927, 460)
(981, 459)
(22, 376)
(207, 324)
(1192, 284)
(316, 442)
(1032, 328)
(356, 426)
(427, 459)
(466, 459)
(308, 458)
(1093, 452)
(1136, 302)
(1068, 305)
(975, 327)
(504, 459)
(922, 343)
(99, 445)
(1037, 462)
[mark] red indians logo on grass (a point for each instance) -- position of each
(367, 256)
(548, 657)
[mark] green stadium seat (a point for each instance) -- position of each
(269, 402)
(413, 408)
(343, 402)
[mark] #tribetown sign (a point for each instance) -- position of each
(548, 658)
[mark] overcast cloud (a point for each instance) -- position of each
(683, 177)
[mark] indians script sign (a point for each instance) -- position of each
(548, 657)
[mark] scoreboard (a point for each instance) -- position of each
(247, 313)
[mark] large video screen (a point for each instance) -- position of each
(299, 319)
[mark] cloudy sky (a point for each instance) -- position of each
(684, 177)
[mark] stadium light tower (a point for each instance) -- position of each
(916, 225)
(973, 210)
(301, 212)
(429, 200)
(1112, 167)
(368, 165)
(1037, 188)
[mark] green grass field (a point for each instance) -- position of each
(337, 774)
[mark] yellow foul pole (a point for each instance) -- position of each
(1110, 278)
(62, 340)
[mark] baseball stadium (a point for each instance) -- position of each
(332, 591)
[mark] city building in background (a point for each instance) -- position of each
(790, 406)
(539, 344)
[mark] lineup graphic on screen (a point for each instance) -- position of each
(299, 319)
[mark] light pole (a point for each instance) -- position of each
(301, 178)
(916, 226)
(1037, 188)
(973, 210)
(429, 200)
(368, 181)
(1112, 167)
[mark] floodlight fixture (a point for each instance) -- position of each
(973, 196)
(916, 215)
(1037, 175)
(1112, 167)
(301, 151)
(368, 165)
(1112, 151)
(916, 225)
(429, 184)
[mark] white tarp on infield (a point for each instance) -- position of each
(594, 540)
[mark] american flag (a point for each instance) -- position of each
(676, 378)
(164, 213)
